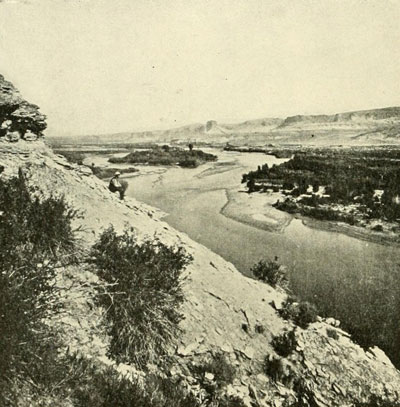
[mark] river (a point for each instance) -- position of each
(352, 280)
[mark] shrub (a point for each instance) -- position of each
(377, 228)
(377, 401)
(332, 333)
(278, 369)
(272, 367)
(188, 163)
(94, 386)
(74, 157)
(287, 185)
(285, 343)
(223, 374)
(301, 313)
(219, 366)
(35, 236)
(270, 272)
(144, 294)
(231, 401)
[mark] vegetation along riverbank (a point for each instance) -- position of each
(355, 186)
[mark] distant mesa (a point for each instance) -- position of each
(210, 125)
(389, 114)
(364, 127)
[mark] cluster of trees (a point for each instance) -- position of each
(348, 176)
(166, 155)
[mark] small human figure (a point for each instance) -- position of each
(115, 185)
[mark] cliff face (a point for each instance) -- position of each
(224, 311)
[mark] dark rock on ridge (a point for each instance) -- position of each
(18, 118)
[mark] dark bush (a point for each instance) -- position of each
(288, 185)
(144, 294)
(74, 157)
(223, 374)
(93, 386)
(36, 235)
(285, 343)
(296, 192)
(278, 369)
(377, 401)
(301, 313)
(272, 367)
(332, 333)
(188, 163)
(219, 366)
(230, 401)
(270, 272)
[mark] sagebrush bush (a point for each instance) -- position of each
(223, 373)
(230, 401)
(74, 157)
(377, 401)
(144, 294)
(279, 370)
(301, 313)
(271, 272)
(271, 367)
(285, 343)
(104, 387)
(36, 235)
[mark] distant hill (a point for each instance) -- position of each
(375, 126)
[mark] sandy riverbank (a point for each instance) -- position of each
(357, 232)
(255, 210)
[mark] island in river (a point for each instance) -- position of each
(166, 155)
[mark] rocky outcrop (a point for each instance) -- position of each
(225, 312)
(18, 118)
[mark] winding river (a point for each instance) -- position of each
(353, 280)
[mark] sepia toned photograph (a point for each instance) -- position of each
(199, 203)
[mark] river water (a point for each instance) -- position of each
(347, 278)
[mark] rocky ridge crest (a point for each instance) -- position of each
(18, 118)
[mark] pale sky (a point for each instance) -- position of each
(102, 66)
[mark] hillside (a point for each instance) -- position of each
(224, 312)
(376, 126)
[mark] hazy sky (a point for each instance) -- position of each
(99, 66)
